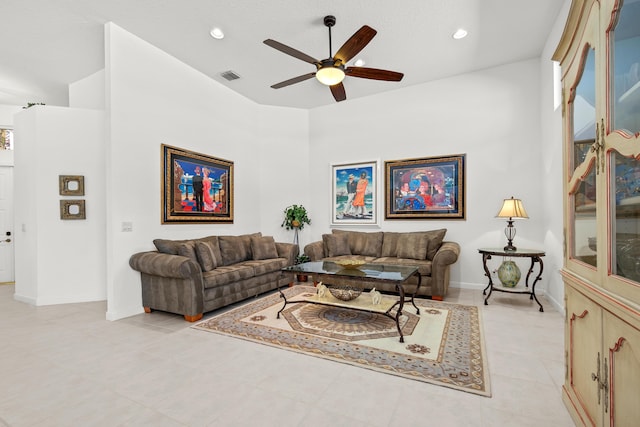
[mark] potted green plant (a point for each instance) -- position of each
(295, 217)
(302, 258)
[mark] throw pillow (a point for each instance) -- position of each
(188, 249)
(263, 248)
(207, 255)
(167, 246)
(215, 245)
(390, 244)
(435, 239)
(363, 243)
(232, 249)
(246, 243)
(337, 244)
(412, 246)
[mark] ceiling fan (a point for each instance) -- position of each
(332, 71)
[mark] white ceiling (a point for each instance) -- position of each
(47, 44)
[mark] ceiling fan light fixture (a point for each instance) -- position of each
(330, 75)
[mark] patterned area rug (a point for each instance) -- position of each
(443, 345)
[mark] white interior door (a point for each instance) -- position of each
(6, 224)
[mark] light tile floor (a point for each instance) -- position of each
(65, 365)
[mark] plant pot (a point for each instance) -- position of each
(295, 223)
(302, 277)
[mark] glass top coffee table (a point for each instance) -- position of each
(334, 275)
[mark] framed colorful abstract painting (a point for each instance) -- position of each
(195, 187)
(432, 187)
(354, 193)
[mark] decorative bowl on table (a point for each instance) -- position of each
(350, 263)
(345, 292)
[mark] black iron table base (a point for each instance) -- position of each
(536, 258)
(322, 271)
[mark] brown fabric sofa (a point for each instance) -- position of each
(425, 249)
(192, 277)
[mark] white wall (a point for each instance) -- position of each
(58, 261)
(282, 156)
(552, 161)
(6, 115)
(88, 92)
(492, 115)
(151, 99)
(283, 138)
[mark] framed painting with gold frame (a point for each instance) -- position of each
(425, 188)
(196, 188)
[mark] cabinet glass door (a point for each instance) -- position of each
(622, 142)
(584, 164)
(624, 68)
(625, 217)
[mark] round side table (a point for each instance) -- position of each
(536, 258)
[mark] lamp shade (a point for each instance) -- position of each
(512, 208)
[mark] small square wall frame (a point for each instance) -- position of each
(72, 209)
(71, 185)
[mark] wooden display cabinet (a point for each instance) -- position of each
(599, 53)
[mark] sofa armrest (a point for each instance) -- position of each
(289, 251)
(315, 250)
(165, 265)
(446, 255)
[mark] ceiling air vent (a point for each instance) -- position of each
(230, 75)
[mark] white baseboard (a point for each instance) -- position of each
(22, 298)
(121, 314)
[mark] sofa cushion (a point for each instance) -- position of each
(389, 244)
(235, 249)
(188, 249)
(363, 243)
(232, 250)
(215, 244)
(246, 242)
(167, 246)
(263, 248)
(336, 244)
(264, 266)
(208, 254)
(412, 246)
(227, 274)
(435, 241)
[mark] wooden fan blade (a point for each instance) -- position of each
(291, 51)
(293, 80)
(338, 92)
(355, 44)
(374, 73)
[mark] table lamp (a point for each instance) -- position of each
(511, 209)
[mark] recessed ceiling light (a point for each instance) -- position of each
(359, 62)
(460, 34)
(217, 33)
